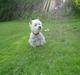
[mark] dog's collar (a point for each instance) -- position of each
(35, 33)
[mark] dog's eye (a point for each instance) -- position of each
(35, 24)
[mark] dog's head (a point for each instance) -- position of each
(35, 25)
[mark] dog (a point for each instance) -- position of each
(36, 38)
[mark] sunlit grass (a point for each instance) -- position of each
(59, 56)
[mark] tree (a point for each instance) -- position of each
(13, 9)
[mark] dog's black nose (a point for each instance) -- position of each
(39, 27)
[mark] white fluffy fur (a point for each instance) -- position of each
(36, 37)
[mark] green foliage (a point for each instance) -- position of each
(76, 4)
(12, 9)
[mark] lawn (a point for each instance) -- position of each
(59, 56)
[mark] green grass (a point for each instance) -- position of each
(59, 56)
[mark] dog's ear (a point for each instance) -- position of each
(30, 21)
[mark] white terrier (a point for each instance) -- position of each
(36, 37)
